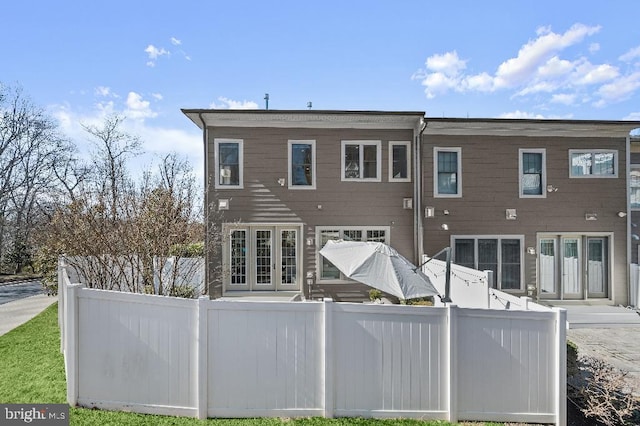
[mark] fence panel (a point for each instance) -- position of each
(265, 359)
(136, 351)
(389, 361)
(506, 365)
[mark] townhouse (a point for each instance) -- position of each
(542, 203)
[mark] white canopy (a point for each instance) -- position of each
(380, 266)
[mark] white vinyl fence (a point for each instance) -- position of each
(634, 278)
(470, 288)
(212, 358)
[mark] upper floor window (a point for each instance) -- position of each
(228, 158)
(593, 163)
(399, 161)
(447, 172)
(533, 176)
(634, 186)
(361, 161)
(302, 164)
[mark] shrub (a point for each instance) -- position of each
(604, 393)
(375, 294)
(187, 250)
(185, 291)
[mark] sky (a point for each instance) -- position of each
(84, 60)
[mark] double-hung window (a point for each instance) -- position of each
(501, 254)
(228, 157)
(327, 272)
(533, 175)
(302, 164)
(601, 163)
(447, 172)
(361, 161)
(399, 161)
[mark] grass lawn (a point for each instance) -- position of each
(32, 371)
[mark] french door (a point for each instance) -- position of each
(573, 267)
(263, 258)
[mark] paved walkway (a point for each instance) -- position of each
(18, 312)
(610, 333)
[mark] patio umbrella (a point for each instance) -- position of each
(380, 266)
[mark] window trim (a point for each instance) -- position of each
(341, 229)
(216, 161)
(361, 143)
(632, 168)
(499, 238)
(543, 178)
(392, 144)
(436, 193)
(594, 151)
(290, 144)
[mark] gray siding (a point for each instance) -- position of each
(263, 199)
(490, 186)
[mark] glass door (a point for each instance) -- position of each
(264, 260)
(570, 268)
(288, 260)
(548, 270)
(597, 267)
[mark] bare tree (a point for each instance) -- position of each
(30, 148)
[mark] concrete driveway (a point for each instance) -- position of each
(17, 312)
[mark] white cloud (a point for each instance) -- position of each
(137, 108)
(564, 98)
(104, 91)
(618, 90)
(521, 114)
(154, 53)
(630, 55)
(519, 70)
(227, 103)
(448, 63)
(157, 96)
(175, 41)
(634, 116)
(542, 70)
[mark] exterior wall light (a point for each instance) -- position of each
(223, 204)
(622, 214)
(444, 227)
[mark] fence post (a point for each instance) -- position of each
(561, 366)
(71, 341)
(327, 338)
(525, 302)
(490, 278)
(202, 346)
(452, 361)
(61, 294)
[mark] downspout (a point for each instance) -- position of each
(418, 237)
(206, 204)
(629, 260)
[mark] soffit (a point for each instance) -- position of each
(306, 119)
